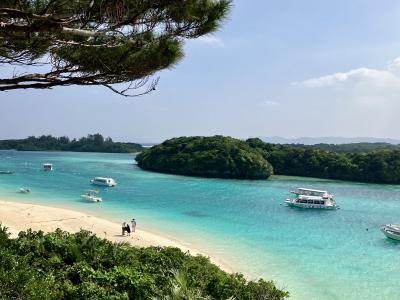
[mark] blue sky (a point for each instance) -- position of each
(287, 68)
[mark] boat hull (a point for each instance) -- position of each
(310, 206)
(91, 198)
(394, 235)
(102, 181)
(103, 184)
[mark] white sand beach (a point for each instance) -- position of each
(22, 216)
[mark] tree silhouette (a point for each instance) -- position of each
(99, 42)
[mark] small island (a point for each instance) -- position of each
(226, 157)
(91, 143)
(217, 156)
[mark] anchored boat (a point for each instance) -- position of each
(24, 190)
(310, 198)
(48, 167)
(103, 181)
(391, 231)
(92, 196)
(6, 172)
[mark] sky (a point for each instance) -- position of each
(276, 68)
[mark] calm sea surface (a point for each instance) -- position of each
(313, 254)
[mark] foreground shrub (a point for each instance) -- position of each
(60, 265)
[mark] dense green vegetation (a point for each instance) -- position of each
(379, 166)
(99, 42)
(217, 156)
(231, 158)
(91, 143)
(59, 265)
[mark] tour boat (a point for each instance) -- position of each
(311, 192)
(91, 195)
(309, 198)
(48, 167)
(103, 181)
(391, 231)
(24, 190)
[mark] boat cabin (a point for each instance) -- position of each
(48, 167)
(310, 200)
(103, 181)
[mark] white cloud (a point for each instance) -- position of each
(378, 78)
(210, 40)
(372, 80)
(358, 102)
(362, 85)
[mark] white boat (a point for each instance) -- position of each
(24, 190)
(391, 231)
(6, 172)
(309, 198)
(91, 195)
(48, 167)
(311, 192)
(103, 181)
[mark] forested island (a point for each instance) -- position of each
(60, 265)
(218, 156)
(372, 166)
(212, 157)
(91, 143)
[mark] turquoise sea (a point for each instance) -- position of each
(313, 254)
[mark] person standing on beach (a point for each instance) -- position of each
(133, 222)
(128, 229)
(123, 228)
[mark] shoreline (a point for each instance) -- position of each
(18, 216)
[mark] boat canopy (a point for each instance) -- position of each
(310, 197)
(311, 190)
(102, 179)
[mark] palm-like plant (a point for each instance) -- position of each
(181, 290)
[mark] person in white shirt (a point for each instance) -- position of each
(123, 228)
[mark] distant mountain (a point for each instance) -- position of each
(327, 140)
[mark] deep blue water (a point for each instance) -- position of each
(313, 254)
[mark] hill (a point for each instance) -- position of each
(218, 156)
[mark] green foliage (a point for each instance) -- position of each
(217, 156)
(369, 165)
(100, 42)
(91, 143)
(231, 158)
(60, 265)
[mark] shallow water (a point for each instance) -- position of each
(313, 254)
